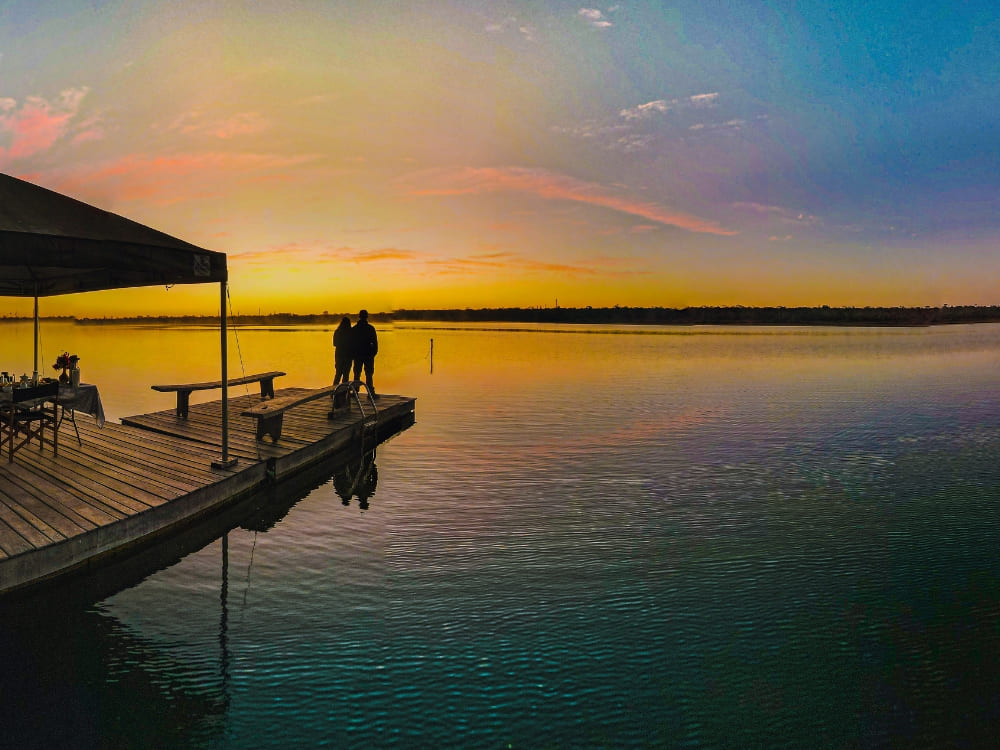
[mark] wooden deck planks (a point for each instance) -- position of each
(120, 474)
(71, 500)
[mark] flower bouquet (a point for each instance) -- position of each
(66, 362)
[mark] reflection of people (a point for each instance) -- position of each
(365, 345)
(367, 481)
(343, 484)
(357, 479)
(343, 353)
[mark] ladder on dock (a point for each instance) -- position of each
(369, 416)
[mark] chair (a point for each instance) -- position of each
(26, 415)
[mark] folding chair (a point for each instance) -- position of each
(26, 416)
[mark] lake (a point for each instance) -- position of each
(591, 537)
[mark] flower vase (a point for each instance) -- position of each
(74, 377)
(64, 376)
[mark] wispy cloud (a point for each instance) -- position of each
(594, 17)
(662, 106)
(195, 123)
(648, 109)
(514, 263)
(431, 264)
(378, 255)
(703, 100)
(37, 124)
(306, 252)
(642, 126)
(527, 31)
(168, 179)
(91, 129)
(471, 180)
(778, 213)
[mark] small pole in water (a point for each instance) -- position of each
(432, 356)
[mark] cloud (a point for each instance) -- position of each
(594, 17)
(704, 100)
(515, 263)
(91, 129)
(243, 123)
(377, 255)
(429, 264)
(659, 106)
(662, 106)
(471, 180)
(37, 124)
(785, 215)
(290, 252)
(510, 22)
(168, 179)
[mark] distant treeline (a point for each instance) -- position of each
(733, 315)
(737, 315)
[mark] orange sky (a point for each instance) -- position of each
(448, 154)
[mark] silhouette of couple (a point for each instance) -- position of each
(357, 479)
(357, 345)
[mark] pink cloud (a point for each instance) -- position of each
(169, 179)
(37, 124)
(472, 180)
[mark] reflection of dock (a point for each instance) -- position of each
(133, 482)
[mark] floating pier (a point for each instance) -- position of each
(125, 485)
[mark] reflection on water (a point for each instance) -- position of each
(357, 480)
(721, 537)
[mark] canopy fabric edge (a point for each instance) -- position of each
(46, 265)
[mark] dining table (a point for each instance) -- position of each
(85, 398)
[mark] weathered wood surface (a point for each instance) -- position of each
(152, 473)
(184, 390)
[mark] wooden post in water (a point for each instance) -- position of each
(432, 356)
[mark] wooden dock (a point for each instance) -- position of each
(135, 482)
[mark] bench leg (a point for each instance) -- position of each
(270, 425)
(182, 403)
(266, 388)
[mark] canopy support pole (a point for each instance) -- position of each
(227, 462)
(34, 377)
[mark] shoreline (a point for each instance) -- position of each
(639, 316)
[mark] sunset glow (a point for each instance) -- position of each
(479, 154)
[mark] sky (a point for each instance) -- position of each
(476, 154)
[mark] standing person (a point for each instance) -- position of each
(343, 351)
(365, 344)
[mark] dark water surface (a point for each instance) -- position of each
(709, 537)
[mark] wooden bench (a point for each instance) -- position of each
(266, 380)
(270, 415)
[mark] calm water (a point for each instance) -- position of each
(612, 538)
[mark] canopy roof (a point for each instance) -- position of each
(52, 244)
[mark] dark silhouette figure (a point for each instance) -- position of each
(343, 351)
(357, 479)
(367, 482)
(365, 343)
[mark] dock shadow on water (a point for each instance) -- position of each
(86, 679)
